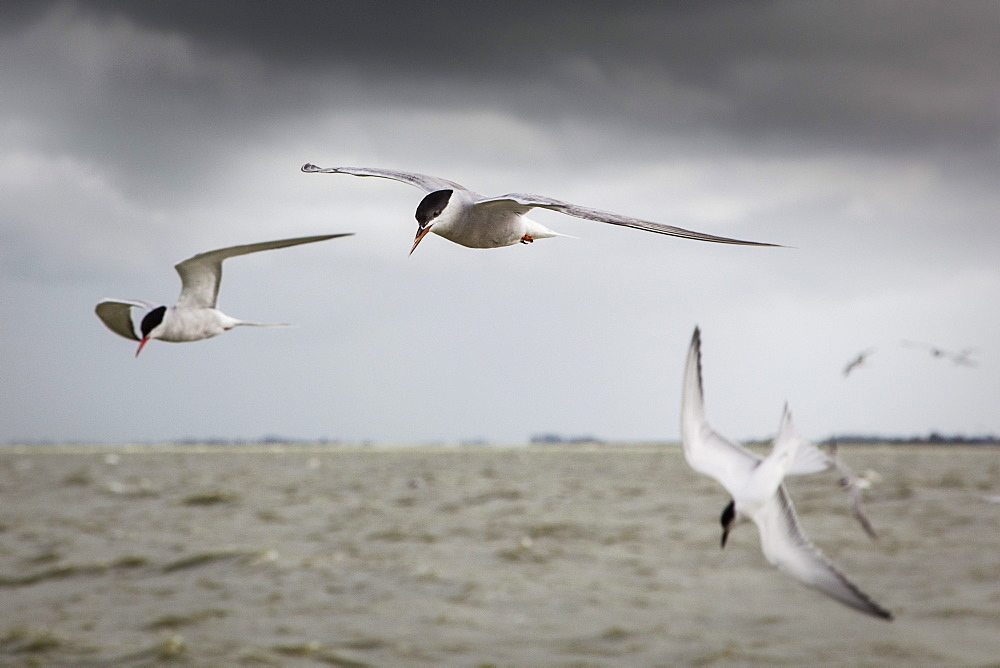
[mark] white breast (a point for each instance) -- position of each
(181, 325)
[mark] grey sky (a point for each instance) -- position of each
(865, 135)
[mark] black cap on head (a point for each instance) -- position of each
(728, 515)
(432, 205)
(152, 319)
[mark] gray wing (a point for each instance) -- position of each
(851, 484)
(422, 181)
(116, 314)
(706, 451)
(786, 546)
(201, 274)
(542, 202)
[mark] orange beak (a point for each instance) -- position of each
(421, 233)
(141, 344)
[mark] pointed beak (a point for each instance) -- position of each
(421, 233)
(725, 535)
(142, 343)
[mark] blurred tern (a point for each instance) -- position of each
(962, 357)
(194, 317)
(858, 361)
(469, 219)
(758, 492)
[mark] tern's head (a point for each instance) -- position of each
(728, 520)
(149, 323)
(429, 212)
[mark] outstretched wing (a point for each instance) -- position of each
(201, 274)
(543, 202)
(422, 181)
(786, 546)
(852, 485)
(706, 451)
(116, 314)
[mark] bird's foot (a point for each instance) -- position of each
(526, 239)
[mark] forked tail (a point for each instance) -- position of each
(244, 323)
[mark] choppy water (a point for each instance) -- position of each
(477, 556)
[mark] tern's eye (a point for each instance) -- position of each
(432, 205)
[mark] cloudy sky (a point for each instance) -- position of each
(864, 135)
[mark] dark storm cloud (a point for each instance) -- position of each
(156, 97)
(883, 75)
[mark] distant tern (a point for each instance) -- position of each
(469, 219)
(758, 493)
(854, 485)
(194, 317)
(962, 357)
(858, 361)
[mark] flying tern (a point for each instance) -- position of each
(858, 361)
(194, 316)
(962, 357)
(758, 493)
(469, 219)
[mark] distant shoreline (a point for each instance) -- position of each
(444, 447)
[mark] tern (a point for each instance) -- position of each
(858, 361)
(962, 357)
(758, 493)
(194, 316)
(469, 219)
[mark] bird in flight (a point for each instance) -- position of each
(194, 316)
(469, 219)
(858, 361)
(758, 492)
(963, 357)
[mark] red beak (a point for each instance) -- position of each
(421, 233)
(141, 344)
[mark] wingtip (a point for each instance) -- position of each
(877, 611)
(872, 608)
(694, 356)
(771, 245)
(309, 167)
(787, 426)
(759, 244)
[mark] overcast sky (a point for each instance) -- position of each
(864, 135)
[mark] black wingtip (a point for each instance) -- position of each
(696, 347)
(309, 167)
(881, 613)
